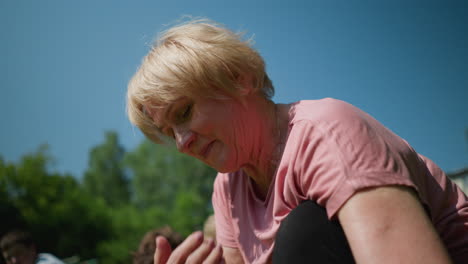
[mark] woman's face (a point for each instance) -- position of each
(211, 130)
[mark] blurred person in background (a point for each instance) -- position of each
(18, 247)
(147, 247)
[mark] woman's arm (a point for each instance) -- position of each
(389, 225)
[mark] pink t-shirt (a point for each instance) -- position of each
(332, 151)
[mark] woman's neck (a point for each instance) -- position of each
(268, 150)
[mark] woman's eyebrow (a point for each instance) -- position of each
(176, 103)
(147, 111)
(168, 111)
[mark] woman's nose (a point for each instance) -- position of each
(184, 137)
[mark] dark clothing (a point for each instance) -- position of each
(307, 236)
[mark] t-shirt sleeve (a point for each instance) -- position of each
(346, 151)
(221, 205)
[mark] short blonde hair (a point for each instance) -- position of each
(198, 57)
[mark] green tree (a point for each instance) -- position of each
(129, 224)
(63, 218)
(105, 175)
(96, 218)
(176, 183)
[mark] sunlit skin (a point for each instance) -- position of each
(227, 133)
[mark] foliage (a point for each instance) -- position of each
(105, 176)
(122, 195)
(60, 215)
(176, 183)
(129, 225)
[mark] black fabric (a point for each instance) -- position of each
(307, 236)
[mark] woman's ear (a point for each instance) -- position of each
(246, 84)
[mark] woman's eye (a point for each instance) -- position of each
(186, 113)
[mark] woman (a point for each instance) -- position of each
(290, 175)
(18, 247)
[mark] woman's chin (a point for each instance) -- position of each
(223, 163)
(224, 167)
(224, 170)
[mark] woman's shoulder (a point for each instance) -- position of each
(324, 110)
(335, 122)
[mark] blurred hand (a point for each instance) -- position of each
(194, 249)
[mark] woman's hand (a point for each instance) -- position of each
(194, 249)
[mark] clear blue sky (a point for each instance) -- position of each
(64, 66)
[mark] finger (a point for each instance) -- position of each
(163, 250)
(215, 256)
(189, 245)
(200, 254)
